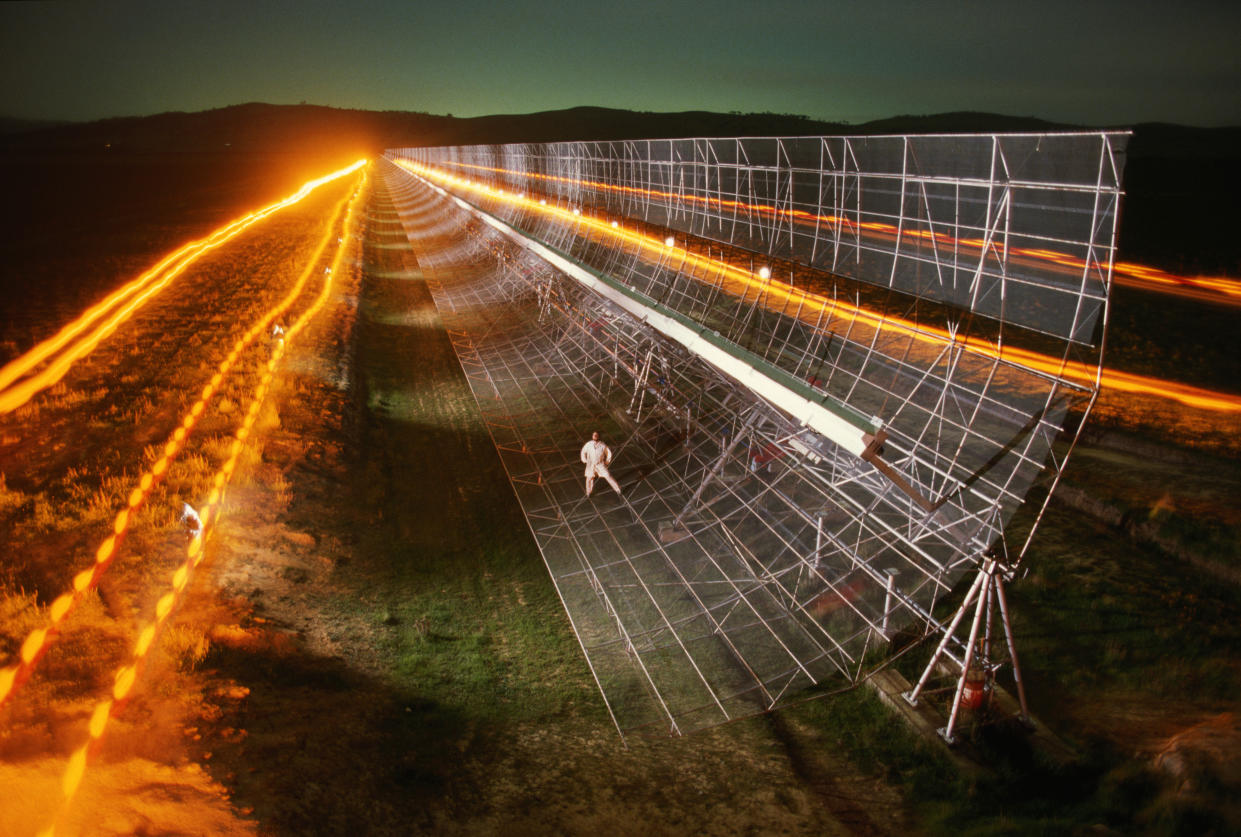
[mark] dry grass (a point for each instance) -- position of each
(280, 488)
(185, 645)
(9, 499)
(19, 615)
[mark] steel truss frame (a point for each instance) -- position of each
(756, 558)
(1019, 227)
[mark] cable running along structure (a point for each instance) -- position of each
(831, 368)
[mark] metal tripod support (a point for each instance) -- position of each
(984, 594)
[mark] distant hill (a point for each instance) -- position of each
(9, 125)
(959, 122)
(262, 127)
(1179, 209)
(593, 123)
(249, 127)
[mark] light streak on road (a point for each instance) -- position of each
(121, 304)
(127, 675)
(1215, 289)
(655, 250)
(41, 639)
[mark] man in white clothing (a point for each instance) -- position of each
(597, 456)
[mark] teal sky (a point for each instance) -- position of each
(1096, 63)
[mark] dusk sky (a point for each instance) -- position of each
(1092, 63)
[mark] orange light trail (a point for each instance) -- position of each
(654, 249)
(127, 675)
(1125, 273)
(40, 640)
(137, 293)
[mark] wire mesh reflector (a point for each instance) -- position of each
(753, 556)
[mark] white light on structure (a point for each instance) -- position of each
(669, 241)
(615, 224)
(542, 201)
(577, 211)
(764, 273)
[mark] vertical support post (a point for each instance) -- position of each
(639, 386)
(818, 540)
(986, 636)
(1012, 650)
(888, 595)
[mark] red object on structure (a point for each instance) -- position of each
(832, 600)
(974, 695)
(769, 453)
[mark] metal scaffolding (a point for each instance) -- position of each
(828, 387)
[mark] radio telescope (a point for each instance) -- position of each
(830, 370)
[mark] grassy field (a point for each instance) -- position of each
(375, 646)
(434, 666)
